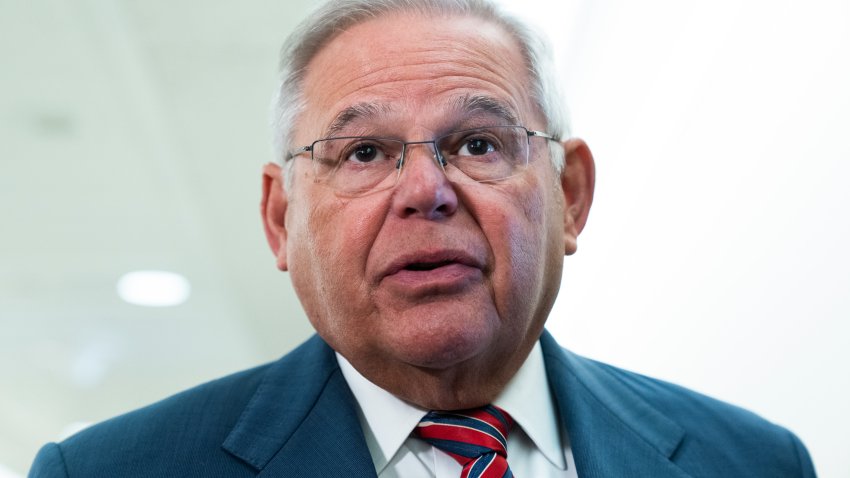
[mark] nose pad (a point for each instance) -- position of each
(423, 191)
(435, 155)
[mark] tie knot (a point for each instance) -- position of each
(475, 438)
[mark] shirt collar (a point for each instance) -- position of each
(528, 400)
(387, 420)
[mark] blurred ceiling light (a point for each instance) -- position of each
(153, 288)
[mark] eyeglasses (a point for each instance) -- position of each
(357, 165)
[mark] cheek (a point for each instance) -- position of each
(528, 237)
(515, 228)
(335, 236)
(538, 251)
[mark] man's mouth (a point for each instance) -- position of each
(421, 273)
(432, 261)
(427, 266)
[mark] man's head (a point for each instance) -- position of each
(434, 286)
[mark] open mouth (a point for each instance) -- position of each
(426, 266)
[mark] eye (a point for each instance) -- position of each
(476, 147)
(365, 153)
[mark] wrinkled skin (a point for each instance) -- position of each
(449, 337)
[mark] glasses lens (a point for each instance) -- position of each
(355, 165)
(487, 154)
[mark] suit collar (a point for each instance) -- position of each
(612, 430)
(301, 420)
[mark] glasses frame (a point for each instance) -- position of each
(310, 148)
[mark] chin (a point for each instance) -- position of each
(443, 340)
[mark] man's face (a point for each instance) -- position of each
(431, 282)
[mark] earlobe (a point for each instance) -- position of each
(577, 181)
(273, 211)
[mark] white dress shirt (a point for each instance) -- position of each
(537, 447)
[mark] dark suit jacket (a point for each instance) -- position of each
(297, 417)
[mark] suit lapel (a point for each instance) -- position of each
(612, 431)
(302, 420)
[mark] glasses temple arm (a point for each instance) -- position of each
(543, 135)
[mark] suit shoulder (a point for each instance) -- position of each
(220, 400)
(183, 431)
(684, 404)
(714, 430)
(184, 435)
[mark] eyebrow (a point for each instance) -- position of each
(474, 104)
(357, 112)
(464, 105)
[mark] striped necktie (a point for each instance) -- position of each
(476, 438)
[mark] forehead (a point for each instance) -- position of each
(414, 70)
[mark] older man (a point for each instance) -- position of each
(423, 207)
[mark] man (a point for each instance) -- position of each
(423, 209)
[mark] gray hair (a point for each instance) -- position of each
(337, 15)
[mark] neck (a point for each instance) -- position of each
(471, 384)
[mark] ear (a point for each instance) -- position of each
(273, 210)
(577, 181)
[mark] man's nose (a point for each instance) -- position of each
(423, 188)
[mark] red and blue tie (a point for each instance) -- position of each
(477, 439)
